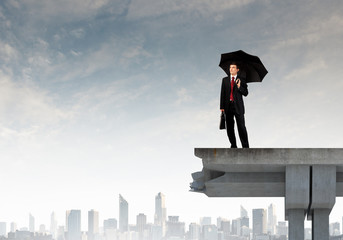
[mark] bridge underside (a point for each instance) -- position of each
(308, 178)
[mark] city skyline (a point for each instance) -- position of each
(73, 220)
(92, 220)
(74, 217)
(260, 222)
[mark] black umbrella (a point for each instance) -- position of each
(248, 64)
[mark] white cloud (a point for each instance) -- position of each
(135, 51)
(78, 33)
(69, 11)
(114, 53)
(24, 106)
(182, 96)
(151, 8)
(305, 72)
(109, 97)
(7, 52)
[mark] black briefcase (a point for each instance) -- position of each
(222, 121)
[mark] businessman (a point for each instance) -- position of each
(233, 89)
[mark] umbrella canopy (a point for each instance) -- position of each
(249, 65)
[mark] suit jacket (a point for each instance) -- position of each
(237, 94)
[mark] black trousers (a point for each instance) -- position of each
(231, 113)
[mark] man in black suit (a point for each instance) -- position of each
(231, 101)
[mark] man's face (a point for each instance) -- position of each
(233, 70)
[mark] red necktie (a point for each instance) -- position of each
(231, 93)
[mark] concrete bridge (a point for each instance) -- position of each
(308, 178)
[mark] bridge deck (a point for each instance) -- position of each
(258, 172)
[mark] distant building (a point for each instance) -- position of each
(53, 225)
(14, 227)
(160, 209)
(123, 214)
(160, 216)
(282, 229)
(110, 223)
(245, 232)
(194, 231)
(21, 235)
(74, 225)
(93, 225)
(205, 221)
(226, 228)
(3, 229)
(219, 222)
(271, 219)
(263, 236)
(156, 232)
(31, 223)
(259, 222)
(141, 225)
(175, 228)
(244, 212)
(235, 228)
(245, 221)
(209, 232)
(42, 229)
(60, 233)
(27, 235)
(334, 229)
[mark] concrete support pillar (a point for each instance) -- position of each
(297, 199)
(296, 224)
(323, 199)
(320, 224)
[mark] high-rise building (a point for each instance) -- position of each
(194, 231)
(110, 229)
(175, 228)
(160, 217)
(73, 225)
(141, 225)
(14, 227)
(226, 228)
(60, 233)
(245, 222)
(123, 214)
(282, 229)
(42, 229)
(245, 232)
(334, 229)
(53, 225)
(160, 209)
(156, 232)
(244, 212)
(209, 232)
(3, 229)
(259, 221)
(271, 219)
(205, 221)
(110, 223)
(31, 223)
(93, 224)
(219, 222)
(236, 227)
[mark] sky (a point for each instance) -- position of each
(100, 98)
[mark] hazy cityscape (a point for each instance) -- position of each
(260, 224)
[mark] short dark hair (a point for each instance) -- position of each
(234, 63)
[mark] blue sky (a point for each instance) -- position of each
(105, 97)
